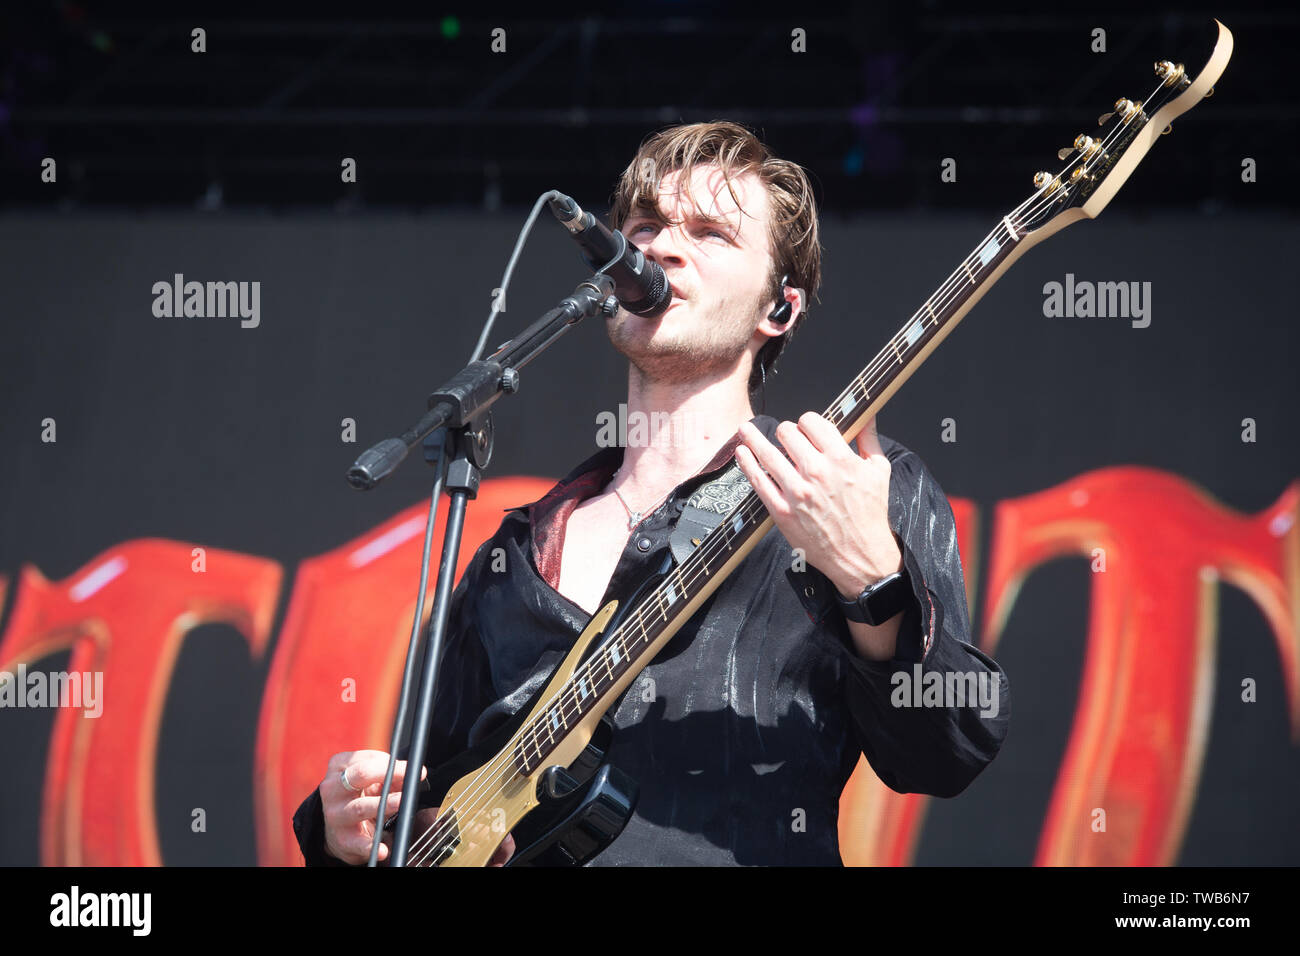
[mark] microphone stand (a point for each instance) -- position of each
(457, 437)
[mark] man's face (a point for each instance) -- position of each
(718, 260)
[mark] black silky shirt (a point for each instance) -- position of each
(744, 730)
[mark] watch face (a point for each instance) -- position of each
(879, 602)
(884, 599)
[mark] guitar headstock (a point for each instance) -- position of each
(1099, 163)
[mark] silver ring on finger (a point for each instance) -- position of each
(347, 783)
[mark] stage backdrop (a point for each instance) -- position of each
(174, 520)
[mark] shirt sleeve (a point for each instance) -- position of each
(459, 699)
(914, 743)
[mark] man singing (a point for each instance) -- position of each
(744, 730)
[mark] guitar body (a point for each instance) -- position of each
(574, 807)
(569, 831)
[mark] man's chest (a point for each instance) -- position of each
(594, 539)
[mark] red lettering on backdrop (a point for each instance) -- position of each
(350, 619)
(1135, 749)
(124, 614)
(1143, 712)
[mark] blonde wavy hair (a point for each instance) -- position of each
(793, 231)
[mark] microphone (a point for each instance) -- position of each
(639, 284)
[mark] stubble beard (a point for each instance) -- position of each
(698, 351)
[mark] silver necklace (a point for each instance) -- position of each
(634, 518)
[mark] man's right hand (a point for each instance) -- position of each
(349, 814)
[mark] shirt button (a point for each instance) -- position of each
(643, 544)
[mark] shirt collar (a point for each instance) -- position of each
(585, 480)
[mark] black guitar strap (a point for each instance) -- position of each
(707, 508)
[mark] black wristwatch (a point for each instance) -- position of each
(880, 601)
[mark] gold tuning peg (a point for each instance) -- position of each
(1101, 120)
(1167, 130)
(1047, 182)
(1172, 73)
(1208, 93)
(1126, 109)
(1083, 143)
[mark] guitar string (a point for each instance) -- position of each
(1043, 202)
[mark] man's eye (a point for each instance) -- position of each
(643, 227)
